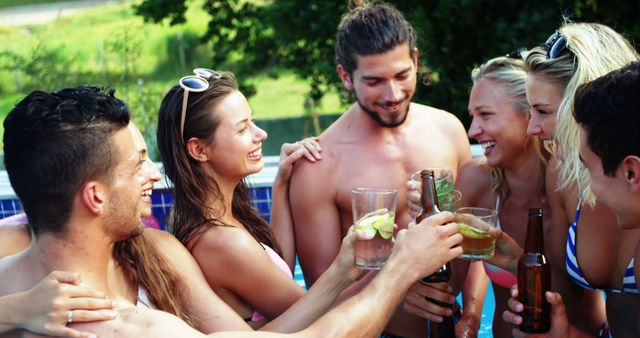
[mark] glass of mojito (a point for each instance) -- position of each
(448, 196)
(374, 212)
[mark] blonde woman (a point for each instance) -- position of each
(587, 243)
(509, 177)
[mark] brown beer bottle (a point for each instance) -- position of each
(534, 278)
(429, 204)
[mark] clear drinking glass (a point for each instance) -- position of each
(374, 212)
(475, 223)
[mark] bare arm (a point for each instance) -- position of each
(281, 219)
(366, 314)
(474, 292)
(234, 262)
(316, 217)
(44, 309)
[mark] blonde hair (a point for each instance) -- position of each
(593, 50)
(510, 75)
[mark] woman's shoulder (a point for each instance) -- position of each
(474, 179)
(227, 246)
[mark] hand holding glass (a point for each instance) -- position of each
(475, 223)
(445, 188)
(374, 212)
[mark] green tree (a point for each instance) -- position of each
(453, 36)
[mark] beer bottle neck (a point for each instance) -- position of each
(535, 237)
(429, 197)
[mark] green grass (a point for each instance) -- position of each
(94, 45)
(13, 3)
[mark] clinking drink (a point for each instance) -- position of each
(534, 278)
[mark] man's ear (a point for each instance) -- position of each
(415, 57)
(93, 195)
(631, 171)
(197, 150)
(345, 77)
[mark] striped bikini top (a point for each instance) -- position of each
(629, 281)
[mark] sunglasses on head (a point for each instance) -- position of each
(555, 45)
(194, 83)
(516, 54)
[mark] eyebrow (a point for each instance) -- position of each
(368, 77)
(245, 120)
(482, 106)
(541, 105)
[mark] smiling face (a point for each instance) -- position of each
(236, 149)
(544, 97)
(149, 173)
(123, 213)
(497, 124)
(384, 84)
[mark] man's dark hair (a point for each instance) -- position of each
(56, 142)
(608, 108)
(369, 30)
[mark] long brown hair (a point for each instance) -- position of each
(193, 189)
(146, 267)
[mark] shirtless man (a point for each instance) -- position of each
(81, 218)
(379, 142)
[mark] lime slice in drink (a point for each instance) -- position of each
(365, 228)
(385, 223)
(471, 232)
(365, 233)
(385, 234)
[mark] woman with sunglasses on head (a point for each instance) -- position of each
(209, 144)
(587, 243)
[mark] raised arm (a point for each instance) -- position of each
(281, 219)
(367, 313)
(214, 315)
(316, 217)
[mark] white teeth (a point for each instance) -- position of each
(146, 193)
(487, 145)
(254, 153)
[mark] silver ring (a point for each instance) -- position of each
(69, 317)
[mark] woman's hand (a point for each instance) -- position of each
(58, 300)
(308, 148)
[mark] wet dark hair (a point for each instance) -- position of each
(608, 108)
(56, 142)
(194, 189)
(370, 30)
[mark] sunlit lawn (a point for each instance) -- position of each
(100, 41)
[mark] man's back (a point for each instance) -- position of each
(357, 152)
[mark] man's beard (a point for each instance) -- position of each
(376, 116)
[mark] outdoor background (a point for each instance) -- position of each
(280, 50)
